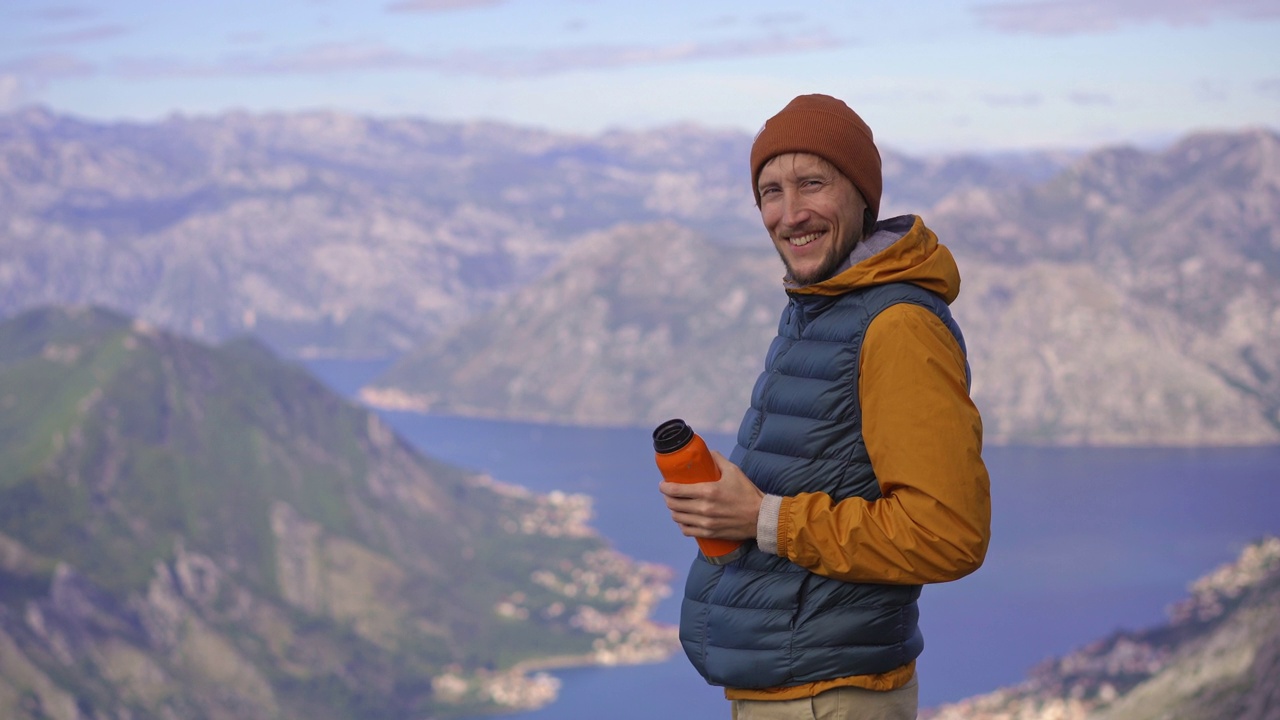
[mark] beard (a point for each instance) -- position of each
(832, 263)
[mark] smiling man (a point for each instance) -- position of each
(858, 469)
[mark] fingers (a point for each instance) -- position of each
(685, 490)
(726, 509)
(689, 509)
(689, 530)
(697, 518)
(722, 462)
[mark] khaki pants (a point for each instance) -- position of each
(837, 704)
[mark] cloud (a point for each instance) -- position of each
(518, 63)
(329, 58)
(23, 80)
(316, 60)
(1269, 87)
(1069, 17)
(48, 66)
(435, 6)
(61, 13)
(775, 19)
(1211, 90)
(1018, 100)
(496, 63)
(1085, 97)
(12, 92)
(246, 37)
(83, 35)
(57, 18)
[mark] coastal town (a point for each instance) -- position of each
(605, 594)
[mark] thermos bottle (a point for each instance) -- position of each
(683, 457)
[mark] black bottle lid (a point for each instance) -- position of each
(671, 435)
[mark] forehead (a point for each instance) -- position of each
(794, 164)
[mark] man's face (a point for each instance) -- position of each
(813, 214)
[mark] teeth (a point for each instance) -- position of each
(803, 240)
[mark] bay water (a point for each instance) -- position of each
(1085, 541)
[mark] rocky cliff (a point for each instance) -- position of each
(1133, 298)
(190, 531)
(1218, 657)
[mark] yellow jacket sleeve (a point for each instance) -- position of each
(924, 436)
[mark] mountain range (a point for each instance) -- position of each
(190, 531)
(1116, 297)
(325, 234)
(1133, 299)
(336, 235)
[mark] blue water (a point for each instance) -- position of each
(1085, 541)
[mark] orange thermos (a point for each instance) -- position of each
(683, 457)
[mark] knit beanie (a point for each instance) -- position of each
(826, 127)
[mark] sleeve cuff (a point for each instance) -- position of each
(767, 524)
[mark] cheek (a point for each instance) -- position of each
(769, 219)
(770, 215)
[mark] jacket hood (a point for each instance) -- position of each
(901, 249)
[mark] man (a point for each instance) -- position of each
(858, 471)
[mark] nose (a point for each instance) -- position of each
(794, 210)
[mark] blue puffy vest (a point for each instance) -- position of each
(763, 621)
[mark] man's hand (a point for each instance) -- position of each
(726, 509)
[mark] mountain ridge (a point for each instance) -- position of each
(190, 531)
(332, 234)
(1068, 346)
(1119, 297)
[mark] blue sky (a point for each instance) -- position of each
(929, 76)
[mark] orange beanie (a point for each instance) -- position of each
(826, 127)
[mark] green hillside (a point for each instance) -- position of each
(199, 532)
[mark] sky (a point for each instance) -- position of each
(929, 76)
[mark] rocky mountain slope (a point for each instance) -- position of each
(332, 234)
(1095, 313)
(1144, 285)
(324, 233)
(1218, 657)
(198, 532)
(641, 322)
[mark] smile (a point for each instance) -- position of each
(802, 240)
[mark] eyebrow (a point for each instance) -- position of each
(819, 171)
(815, 174)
